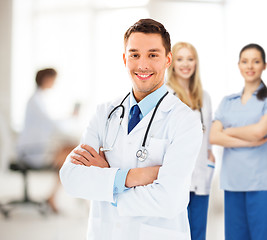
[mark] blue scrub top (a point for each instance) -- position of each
(243, 169)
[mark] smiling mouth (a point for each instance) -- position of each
(143, 76)
(185, 71)
(250, 73)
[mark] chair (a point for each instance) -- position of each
(41, 206)
(2, 210)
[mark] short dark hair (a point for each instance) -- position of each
(42, 74)
(149, 25)
(262, 93)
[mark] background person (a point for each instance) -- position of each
(184, 80)
(240, 126)
(42, 143)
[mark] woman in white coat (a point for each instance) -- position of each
(184, 81)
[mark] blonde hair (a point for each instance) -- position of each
(195, 87)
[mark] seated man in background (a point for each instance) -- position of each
(42, 142)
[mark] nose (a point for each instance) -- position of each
(142, 64)
(250, 65)
(184, 63)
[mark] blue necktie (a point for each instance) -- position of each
(135, 118)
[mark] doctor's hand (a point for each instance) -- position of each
(141, 176)
(87, 156)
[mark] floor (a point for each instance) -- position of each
(71, 222)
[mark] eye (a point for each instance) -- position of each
(244, 61)
(179, 59)
(152, 55)
(134, 55)
(257, 62)
(191, 59)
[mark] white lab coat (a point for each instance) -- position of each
(202, 174)
(33, 142)
(157, 211)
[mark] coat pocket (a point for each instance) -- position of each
(156, 150)
(148, 232)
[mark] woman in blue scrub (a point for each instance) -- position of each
(240, 126)
(184, 81)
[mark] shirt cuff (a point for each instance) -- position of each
(119, 184)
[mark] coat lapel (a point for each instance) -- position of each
(124, 123)
(165, 106)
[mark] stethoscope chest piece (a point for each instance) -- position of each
(141, 154)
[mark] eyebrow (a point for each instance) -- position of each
(185, 57)
(132, 50)
(150, 50)
(155, 50)
(243, 58)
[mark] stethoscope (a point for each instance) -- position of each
(202, 120)
(201, 117)
(142, 153)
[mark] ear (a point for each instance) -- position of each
(169, 59)
(124, 58)
(265, 65)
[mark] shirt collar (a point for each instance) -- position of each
(150, 101)
(255, 92)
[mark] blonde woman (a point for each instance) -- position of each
(184, 82)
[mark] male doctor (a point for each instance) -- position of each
(138, 195)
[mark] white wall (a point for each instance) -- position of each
(5, 57)
(245, 22)
(111, 78)
(202, 25)
(52, 34)
(82, 39)
(5, 79)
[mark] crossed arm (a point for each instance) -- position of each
(253, 132)
(159, 192)
(87, 156)
(247, 136)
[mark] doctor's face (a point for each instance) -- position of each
(146, 60)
